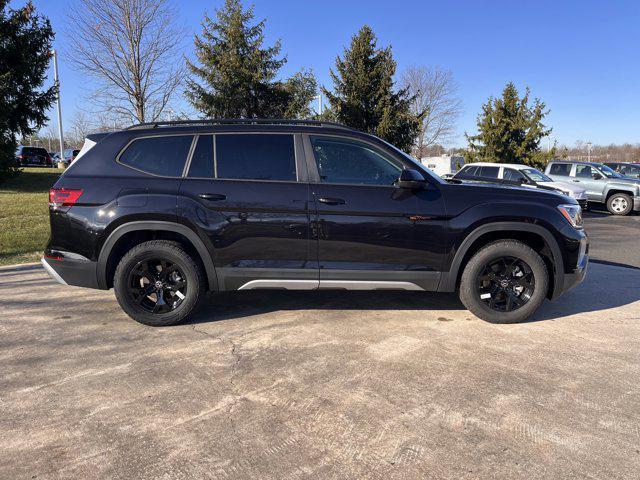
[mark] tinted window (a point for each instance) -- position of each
(202, 159)
(513, 175)
(256, 157)
(34, 152)
(584, 171)
(158, 155)
(630, 169)
(489, 172)
(467, 172)
(562, 169)
(346, 161)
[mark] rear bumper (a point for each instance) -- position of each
(80, 273)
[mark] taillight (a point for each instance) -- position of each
(63, 197)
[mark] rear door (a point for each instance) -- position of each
(370, 233)
(249, 194)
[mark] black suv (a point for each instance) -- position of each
(166, 212)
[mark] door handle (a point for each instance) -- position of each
(577, 181)
(212, 197)
(332, 201)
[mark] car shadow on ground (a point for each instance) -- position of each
(592, 295)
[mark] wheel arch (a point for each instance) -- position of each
(124, 237)
(615, 190)
(536, 236)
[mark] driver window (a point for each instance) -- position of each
(341, 160)
(584, 171)
(513, 175)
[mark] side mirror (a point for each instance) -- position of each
(597, 176)
(410, 178)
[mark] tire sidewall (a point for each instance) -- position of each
(187, 267)
(471, 298)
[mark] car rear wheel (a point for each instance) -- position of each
(157, 283)
(619, 204)
(504, 282)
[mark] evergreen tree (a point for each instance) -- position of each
(364, 96)
(510, 130)
(25, 46)
(239, 73)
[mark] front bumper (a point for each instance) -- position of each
(575, 278)
(636, 204)
(80, 273)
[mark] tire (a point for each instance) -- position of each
(527, 268)
(620, 204)
(138, 274)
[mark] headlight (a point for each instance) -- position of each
(573, 214)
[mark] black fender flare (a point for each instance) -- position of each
(450, 278)
(147, 225)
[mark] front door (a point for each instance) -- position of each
(591, 180)
(370, 233)
(250, 195)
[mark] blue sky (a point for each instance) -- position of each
(582, 58)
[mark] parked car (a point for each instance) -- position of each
(620, 194)
(517, 174)
(625, 169)
(162, 213)
(444, 164)
(70, 155)
(33, 157)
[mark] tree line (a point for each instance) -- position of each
(133, 51)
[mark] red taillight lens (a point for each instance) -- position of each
(62, 197)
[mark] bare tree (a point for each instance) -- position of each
(132, 48)
(435, 101)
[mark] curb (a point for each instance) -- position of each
(20, 266)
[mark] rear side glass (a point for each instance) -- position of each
(562, 169)
(489, 172)
(255, 157)
(163, 156)
(202, 160)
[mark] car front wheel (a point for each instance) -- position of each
(504, 282)
(619, 204)
(157, 283)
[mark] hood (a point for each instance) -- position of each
(563, 186)
(498, 189)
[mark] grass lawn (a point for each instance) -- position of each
(24, 215)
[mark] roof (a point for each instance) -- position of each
(239, 121)
(581, 162)
(517, 166)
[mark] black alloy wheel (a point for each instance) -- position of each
(157, 285)
(506, 284)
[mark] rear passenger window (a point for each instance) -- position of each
(255, 157)
(158, 155)
(202, 159)
(489, 172)
(562, 169)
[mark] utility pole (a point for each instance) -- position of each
(56, 80)
(319, 97)
(589, 151)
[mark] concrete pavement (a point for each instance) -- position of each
(277, 385)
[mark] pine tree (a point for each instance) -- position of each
(364, 96)
(239, 73)
(25, 46)
(510, 130)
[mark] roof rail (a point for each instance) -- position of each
(239, 121)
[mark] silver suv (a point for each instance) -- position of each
(620, 194)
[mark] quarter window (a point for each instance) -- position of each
(164, 156)
(255, 157)
(340, 160)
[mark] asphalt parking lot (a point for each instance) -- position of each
(277, 385)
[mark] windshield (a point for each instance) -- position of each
(536, 175)
(608, 172)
